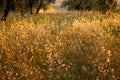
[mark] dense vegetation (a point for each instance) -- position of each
(62, 46)
(24, 5)
(99, 5)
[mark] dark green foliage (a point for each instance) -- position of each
(106, 4)
(1, 4)
(23, 4)
(102, 5)
(77, 4)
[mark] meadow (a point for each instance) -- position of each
(60, 46)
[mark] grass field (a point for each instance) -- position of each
(60, 46)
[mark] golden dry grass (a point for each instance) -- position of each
(62, 46)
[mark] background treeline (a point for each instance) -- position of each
(23, 4)
(101, 5)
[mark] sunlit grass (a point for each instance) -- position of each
(60, 46)
(47, 9)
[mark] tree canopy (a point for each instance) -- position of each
(23, 4)
(103, 5)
